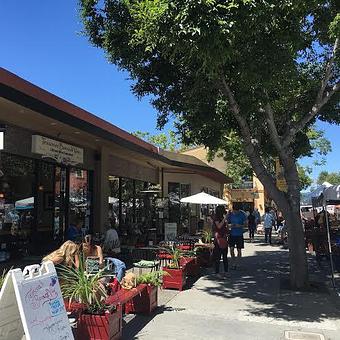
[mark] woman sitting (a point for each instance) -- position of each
(93, 254)
(67, 255)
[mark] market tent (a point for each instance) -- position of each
(330, 195)
(26, 203)
(203, 198)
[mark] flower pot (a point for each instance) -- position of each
(204, 257)
(176, 278)
(100, 327)
(144, 303)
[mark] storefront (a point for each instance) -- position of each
(44, 187)
(60, 164)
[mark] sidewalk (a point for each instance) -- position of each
(253, 303)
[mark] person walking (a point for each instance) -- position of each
(268, 225)
(236, 221)
(220, 239)
(251, 225)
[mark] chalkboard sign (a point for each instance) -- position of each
(31, 304)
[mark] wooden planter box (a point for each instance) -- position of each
(100, 327)
(204, 258)
(192, 266)
(144, 303)
(176, 278)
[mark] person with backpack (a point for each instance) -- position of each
(220, 230)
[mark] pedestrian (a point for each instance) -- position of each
(251, 225)
(220, 230)
(268, 225)
(236, 221)
(257, 216)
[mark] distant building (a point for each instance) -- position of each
(247, 195)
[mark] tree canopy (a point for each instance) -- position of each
(263, 69)
(330, 177)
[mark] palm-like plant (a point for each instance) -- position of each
(175, 256)
(207, 236)
(77, 285)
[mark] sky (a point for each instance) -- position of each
(41, 41)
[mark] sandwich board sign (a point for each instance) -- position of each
(32, 307)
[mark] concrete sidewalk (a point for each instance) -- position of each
(253, 303)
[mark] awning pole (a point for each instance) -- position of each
(329, 245)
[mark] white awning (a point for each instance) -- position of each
(203, 198)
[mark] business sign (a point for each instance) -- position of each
(280, 179)
(32, 306)
(2, 137)
(59, 151)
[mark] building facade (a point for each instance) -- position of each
(60, 164)
(247, 195)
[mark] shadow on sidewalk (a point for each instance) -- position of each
(133, 324)
(261, 283)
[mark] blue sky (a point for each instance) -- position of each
(41, 42)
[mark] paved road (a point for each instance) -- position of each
(253, 303)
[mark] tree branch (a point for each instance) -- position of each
(252, 151)
(321, 100)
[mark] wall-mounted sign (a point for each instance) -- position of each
(59, 151)
(2, 137)
(280, 179)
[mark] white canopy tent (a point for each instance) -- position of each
(203, 198)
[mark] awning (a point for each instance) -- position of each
(26, 203)
(203, 198)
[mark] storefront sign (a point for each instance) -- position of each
(2, 137)
(280, 180)
(32, 307)
(59, 151)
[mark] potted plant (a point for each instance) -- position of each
(176, 277)
(190, 261)
(147, 301)
(96, 320)
(204, 251)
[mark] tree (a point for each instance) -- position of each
(264, 69)
(331, 177)
(166, 141)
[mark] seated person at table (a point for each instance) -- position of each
(67, 255)
(111, 243)
(73, 232)
(92, 253)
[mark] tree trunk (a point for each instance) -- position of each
(297, 250)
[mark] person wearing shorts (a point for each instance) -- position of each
(236, 222)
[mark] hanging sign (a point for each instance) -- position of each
(32, 307)
(59, 151)
(280, 179)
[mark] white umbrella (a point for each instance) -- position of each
(203, 198)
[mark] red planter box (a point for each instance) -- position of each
(191, 266)
(204, 258)
(100, 327)
(145, 303)
(176, 278)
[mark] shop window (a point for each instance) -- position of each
(114, 197)
(79, 198)
(17, 205)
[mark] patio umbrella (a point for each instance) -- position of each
(203, 198)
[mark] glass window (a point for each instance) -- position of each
(79, 198)
(17, 203)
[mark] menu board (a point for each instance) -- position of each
(31, 304)
(170, 231)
